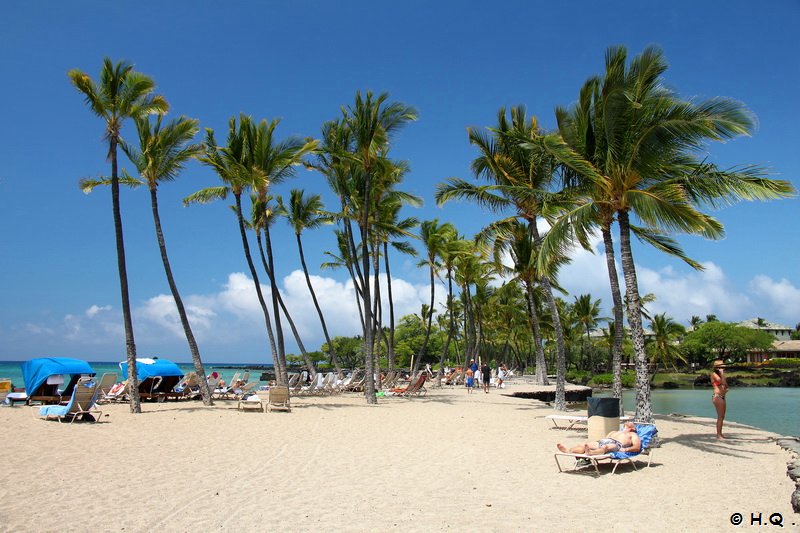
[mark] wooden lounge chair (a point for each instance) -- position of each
(81, 404)
(278, 398)
(581, 461)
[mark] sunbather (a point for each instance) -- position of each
(623, 440)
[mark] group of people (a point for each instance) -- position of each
(485, 375)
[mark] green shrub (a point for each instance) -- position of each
(782, 362)
(606, 380)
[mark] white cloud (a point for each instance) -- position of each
(93, 310)
(781, 298)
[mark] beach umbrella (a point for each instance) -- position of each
(36, 371)
(147, 368)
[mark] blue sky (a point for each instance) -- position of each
(456, 62)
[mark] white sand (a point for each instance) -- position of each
(448, 461)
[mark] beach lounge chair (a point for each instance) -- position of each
(581, 461)
(278, 398)
(255, 401)
(104, 386)
(81, 404)
(5, 389)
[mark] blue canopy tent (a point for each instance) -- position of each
(156, 376)
(36, 374)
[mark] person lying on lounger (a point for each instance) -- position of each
(623, 440)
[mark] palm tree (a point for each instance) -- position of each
(521, 181)
(121, 93)
(587, 314)
(389, 229)
(434, 237)
(650, 141)
(232, 163)
(272, 162)
(261, 218)
(161, 157)
(372, 122)
(664, 345)
(307, 213)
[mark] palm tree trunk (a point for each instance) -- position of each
(276, 309)
(312, 370)
(541, 362)
(369, 368)
(450, 327)
(561, 358)
(187, 328)
(130, 344)
(377, 312)
(275, 359)
(616, 296)
(644, 411)
(331, 350)
(390, 343)
(424, 346)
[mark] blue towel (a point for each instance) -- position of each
(646, 433)
(54, 410)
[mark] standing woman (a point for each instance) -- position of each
(720, 385)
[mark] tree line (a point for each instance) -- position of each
(628, 156)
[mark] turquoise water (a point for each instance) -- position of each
(13, 370)
(775, 409)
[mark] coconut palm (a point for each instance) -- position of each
(521, 180)
(261, 218)
(434, 237)
(644, 162)
(664, 349)
(587, 314)
(308, 213)
(232, 163)
(372, 122)
(389, 229)
(272, 162)
(121, 93)
(161, 156)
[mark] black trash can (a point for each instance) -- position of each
(603, 417)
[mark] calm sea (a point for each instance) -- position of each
(774, 409)
(13, 370)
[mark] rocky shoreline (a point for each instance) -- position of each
(792, 444)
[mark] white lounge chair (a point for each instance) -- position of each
(570, 421)
(81, 403)
(581, 461)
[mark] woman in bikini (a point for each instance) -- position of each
(720, 385)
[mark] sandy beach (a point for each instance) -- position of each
(447, 461)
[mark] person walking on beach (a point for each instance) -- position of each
(470, 380)
(501, 375)
(486, 374)
(720, 385)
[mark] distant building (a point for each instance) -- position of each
(789, 349)
(779, 331)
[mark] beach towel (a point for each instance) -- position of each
(646, 433)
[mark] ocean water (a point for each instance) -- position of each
(13, 370)
(775, 409)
